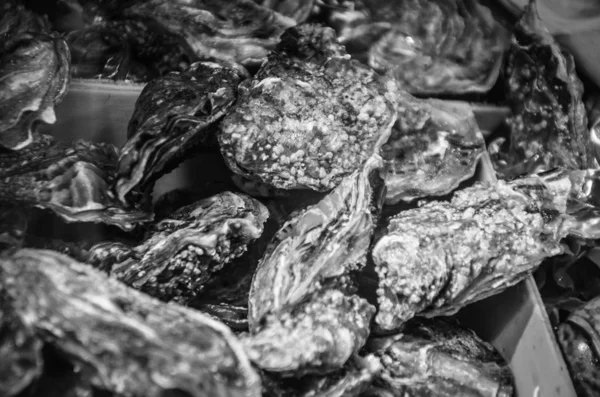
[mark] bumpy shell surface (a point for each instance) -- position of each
(548, 124)
(172, 114)
(34, 74)
(439, 358)
(325, 240)
(430, 47)
(72, 181)
(434, 146)
(439, 257)
(239, 31)
(579, 338)
(186, 250)
(128, 343)
(310, 117)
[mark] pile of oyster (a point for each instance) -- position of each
(351, 227)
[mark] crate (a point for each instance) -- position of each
(515, 321)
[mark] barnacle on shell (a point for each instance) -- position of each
(310, 117)
(127, 342)
(71, 180)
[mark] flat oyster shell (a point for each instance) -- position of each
(126, 342)
(310, 117)
(324, 241)
(437, 357)
(430, 47)
(72, 181)
(439, 257)
(434, 146)
(237, 31)
(34, 74)
(184, 251)
(548, 125)
(172, 114)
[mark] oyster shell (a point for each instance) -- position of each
(34, 74)
(310, 117)
(434, 146)
(126, 342)
(15, 19)
(439, 358)
(172, 114)
(430, 47)
(548, 126)
(579, 338)
(184, 251)
(72, 181)
(437, 258)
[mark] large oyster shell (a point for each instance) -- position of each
(34, 74)
(434, 146)
(126, 342)
(173, 114)
(71, 180)
(310, 117)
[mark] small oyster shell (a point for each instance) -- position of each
(548, 124)
(72, 181)
(127, 342)
(34, 74)
(439, 257)
(172, 114)
(310, 117)
(439, 358)
(434, 146)
(185, 251)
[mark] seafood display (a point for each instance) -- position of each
(355, 205)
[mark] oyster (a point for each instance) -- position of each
(238, 31)
(434, 146)
(430, 47)
(126, 342)
(15, 19)
(172, 114)
(439, 358)
(34, 74)
(72, 181)
(579, 338)
(310, 117)
(548, 126)
(184, 251)
(439, 257)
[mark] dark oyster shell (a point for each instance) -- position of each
(439, 257)
(72, 181)
(579, 338)
(548, 125)
(237, 31)
(439, 358)
(185, 251)
(126, 342)
(173, 113)
(310, 116)
(429, 46)
(434, 146)
(34, 74)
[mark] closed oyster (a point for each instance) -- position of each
(439, 358)
(434, 146)
(437, 258)
(72, 181)
(126, 342)
(238, 31)
(430, 47)
(173, 114)
(548, 126)
(186, 250)
(34, 74)
(310, 117)
(579, 339)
